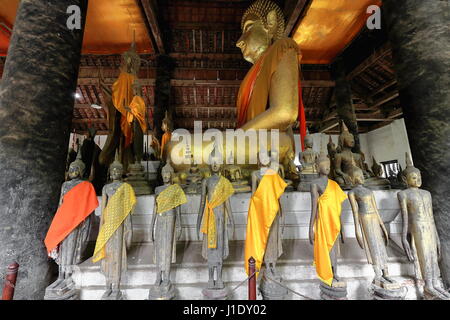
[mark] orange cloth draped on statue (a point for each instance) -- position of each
(327, 228)
(137, 107)
(262, 211)
(165, 139)
(122, 95)
(253, 96)
(77, 204)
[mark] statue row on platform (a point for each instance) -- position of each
(69, 232)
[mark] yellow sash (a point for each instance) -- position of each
(172, 197)
(117, 210)
(223, 190)
(263, 209)
(327, 228)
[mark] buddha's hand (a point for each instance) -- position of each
(311, 236)
(407, 249)
(346, 178)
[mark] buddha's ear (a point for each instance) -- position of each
(272, 22)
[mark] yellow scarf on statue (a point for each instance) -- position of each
(327, 228)
(119, 206)
(172, 197)
(263, 209)
(223, 190)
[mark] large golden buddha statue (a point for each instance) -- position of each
(269, 95)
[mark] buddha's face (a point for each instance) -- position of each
(166, 175)
(255, 39)
(215, 166)
(116, 173)
(323, 167)
(164, 127)
(74, 172)
(309, 143)
(349, 140)
(414, 180)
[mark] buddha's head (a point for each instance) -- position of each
(346, 139)
(76, 168)
(116, 169)
(166, 123)
(323, 164)
(411, 175)
(167, 172)
(215, 160)
(309, 141)
(262, 24)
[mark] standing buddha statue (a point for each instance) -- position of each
(373, 237)
(68, 234)
(213, 215)
(419, 231)
(324, 228)
(165, 230)
(115, 234)
(167, 129)
(308, 164)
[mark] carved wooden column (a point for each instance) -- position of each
(36, 106)
(344, 102)
(419, 34)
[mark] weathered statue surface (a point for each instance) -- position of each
(325, 228)
(345, 159)
(419, 237)
(213, 217)
(68, 235)
(308, 165)
(115, 235)
(165, 230)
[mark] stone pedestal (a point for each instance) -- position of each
(387, 292)
(215, 294)
(337, 291)
(272, 290)
(115, 295)
(418, 32)
(66, 290)
(162, 292)
(36, 103)
(136, 178)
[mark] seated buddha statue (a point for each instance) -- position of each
(343, 163)
(234, 173)
(269, 96)
(193, 178)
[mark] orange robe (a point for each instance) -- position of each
(122, 95)
(165, 140)
(327, 228)
(78, 203)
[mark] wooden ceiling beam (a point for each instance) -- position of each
(297, 12)
(149, 13)
(377, 55)
(329, 125)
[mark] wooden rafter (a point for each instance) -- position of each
(299, 9)
(148, 7)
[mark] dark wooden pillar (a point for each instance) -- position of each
(344, 102)
(36, 105)
(165, 67)
(419, 34)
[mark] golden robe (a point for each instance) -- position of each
(172, 197)
(119, 206)
(223, 190)
(327, 228)
(262, 211)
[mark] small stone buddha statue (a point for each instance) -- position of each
(68, 235)
(419, 232)
(194, 178)
(343, 162)
(165, 231)
(290, 169)
(115, 234)
(372, 236)
(234, 174)
(308, 164)
(213, 217)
